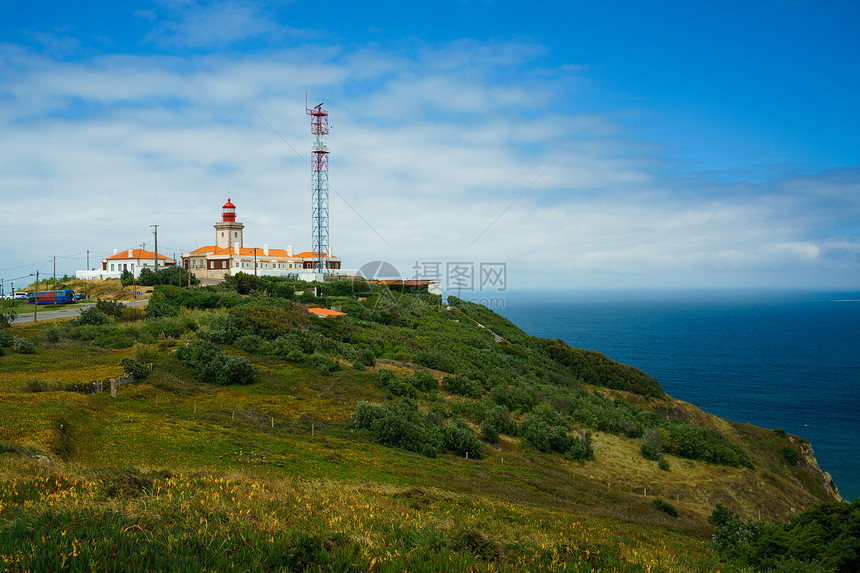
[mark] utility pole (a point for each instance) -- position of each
(88, 259)
(55, 281)
(36, 300)
(155, 230)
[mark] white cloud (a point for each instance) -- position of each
(436, 157)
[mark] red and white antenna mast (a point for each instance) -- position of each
(319, 186)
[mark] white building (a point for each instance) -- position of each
(132, 260)
(229, 255)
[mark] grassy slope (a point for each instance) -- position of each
(289, 433)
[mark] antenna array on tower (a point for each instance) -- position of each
(319, 186)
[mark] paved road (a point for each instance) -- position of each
(68, 312)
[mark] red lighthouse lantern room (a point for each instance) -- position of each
(228, 215)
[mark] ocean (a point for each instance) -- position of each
(788, 360)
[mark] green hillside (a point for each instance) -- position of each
(410, 434)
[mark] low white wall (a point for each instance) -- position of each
(101, 275)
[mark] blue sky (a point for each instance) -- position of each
(585, 145)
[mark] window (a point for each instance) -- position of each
(111, 266)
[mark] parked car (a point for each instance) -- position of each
(80, 296)
(22, 295)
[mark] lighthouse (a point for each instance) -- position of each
(228, 231)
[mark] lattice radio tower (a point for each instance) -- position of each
(319, 186)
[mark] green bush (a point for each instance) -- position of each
(270, 319)
(323, 363)
(109, 308)
(663, 463)
(136, 368)
(91, 317)
(791, 455)
(823, 538)
(23, 345)
(168, 327)
(401, 425)
(53, 334)
(665, 507)
(497, 420)
(366, 358)
(253, 344)
(652, 444)
(126, 278)
(461, 386)
(424, 381)
(461, 439)
(223, 329)
(211, 365)
(7, 317)
(6, 340)
(159, 310)
(697, 443)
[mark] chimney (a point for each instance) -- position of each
(266, 249)
(116, 251)
(236, 247)
(130, 253)
(289, 250)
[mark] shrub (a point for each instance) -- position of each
(461, 386)
(24, 346)
(400, 425)
(270, 320)
(131, 313)
(424, 381)
(490, 431)
(168, 327)
(6, 340)
(211, 365)
(663, 463)
(110, 308)
(126, 278)
(366, 357)
(497, 420)
(323, 363)
(223, 329)
(136, 368)
(52, 334)
(289, 347)
(461, 439)
(116, 337)
(7, 318)
(159, 309)
(252, 344)
(92, 317)
(652, 444)
(791, 455)
(35, 385)
(665, 507)
(697, 443)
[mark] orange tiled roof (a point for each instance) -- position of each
(247, 251)
(311, 255)
(137, 254)
(325, 312)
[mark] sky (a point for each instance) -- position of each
(561, 145)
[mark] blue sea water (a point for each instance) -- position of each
(775, 359)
